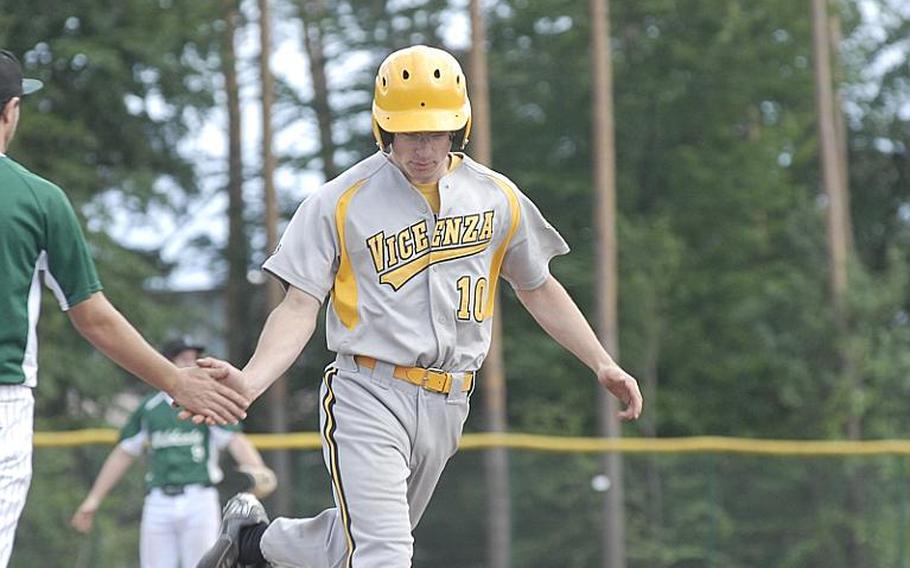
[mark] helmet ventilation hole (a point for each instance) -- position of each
(458, 79)
(437, 74)
(383, 82)
(405, 75)
(423, 104)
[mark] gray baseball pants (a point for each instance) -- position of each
(385, 443)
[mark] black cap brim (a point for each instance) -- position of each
(174, 348)
(30, 86)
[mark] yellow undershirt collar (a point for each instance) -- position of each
(430, 191)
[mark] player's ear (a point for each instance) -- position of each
(9, 109)
(387, 139)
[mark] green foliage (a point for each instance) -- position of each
(117, 92)
(124, 82)
(724, 303)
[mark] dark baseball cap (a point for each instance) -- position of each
(175, 346)
(12, 84)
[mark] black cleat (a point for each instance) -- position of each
(242, 510)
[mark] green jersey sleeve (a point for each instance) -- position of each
(70, 271)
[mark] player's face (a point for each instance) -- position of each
(186, 358)
(422, 156)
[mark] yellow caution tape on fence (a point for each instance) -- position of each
(564, 444)
(698, 444)
(75, 438)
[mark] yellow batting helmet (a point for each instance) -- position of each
(420, 89)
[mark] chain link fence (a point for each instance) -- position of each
(690, 502)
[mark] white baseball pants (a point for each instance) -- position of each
(176, 530)
(17, 408)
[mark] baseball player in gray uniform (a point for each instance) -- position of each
(408, 246)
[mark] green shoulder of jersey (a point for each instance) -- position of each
(41, 237)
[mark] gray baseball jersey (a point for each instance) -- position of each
(408, 287)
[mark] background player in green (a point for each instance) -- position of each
(408, 246)
(181, 512)
(40, 238)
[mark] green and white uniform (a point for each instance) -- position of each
(407, 288)
(39, 237)
(180, 517)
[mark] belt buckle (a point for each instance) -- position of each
(437, 370)
(172, 490)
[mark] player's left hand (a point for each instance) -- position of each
(623, 386)
(259, 480)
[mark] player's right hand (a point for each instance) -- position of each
(204, 392)
(228, 375)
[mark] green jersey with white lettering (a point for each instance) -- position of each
(180, 452)
(39, 235)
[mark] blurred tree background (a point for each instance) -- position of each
(725, 309)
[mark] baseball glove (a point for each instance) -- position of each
(258, 480)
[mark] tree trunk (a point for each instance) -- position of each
(312, 13)
(237, 291)
(831, 169)
(496, 460)
(833, 172)
(840, 126)
(278, 392)
(605, 223)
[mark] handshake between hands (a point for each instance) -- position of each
(213, 392)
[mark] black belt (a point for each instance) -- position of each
(173, 490)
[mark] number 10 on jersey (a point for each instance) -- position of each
(471, 299)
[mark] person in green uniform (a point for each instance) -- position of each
(41, 240)
(181, 513)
